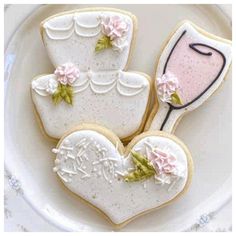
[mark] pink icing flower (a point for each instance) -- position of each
(113, 27)
(67, 73)
(167, 84)
(164, 163)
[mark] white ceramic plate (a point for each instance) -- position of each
(206, 131)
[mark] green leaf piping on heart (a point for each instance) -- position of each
(64, 92)
(175, 99)
(103, 43)
(143, 168)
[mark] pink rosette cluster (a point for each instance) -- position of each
(113, 27)
(167, 85)
(163, 163)
(67, 73)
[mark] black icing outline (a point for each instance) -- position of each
(192, 46)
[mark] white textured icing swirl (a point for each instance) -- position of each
(92, 80)
(45, 87)
(73, 159)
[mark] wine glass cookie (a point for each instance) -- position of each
(123, 183)
(191, 67)
(90, 49)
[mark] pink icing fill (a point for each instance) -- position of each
(194, 71)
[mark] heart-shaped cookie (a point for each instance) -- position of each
(152, 171)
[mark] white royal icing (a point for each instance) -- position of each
(73, 27)
(199, 37)
(114, 99)
(44, 87)
(92, 167)
(47, 85)
(103, 93)
(72, 38)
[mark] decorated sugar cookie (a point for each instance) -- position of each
(90, 49)
(152, 171)
(191, 67)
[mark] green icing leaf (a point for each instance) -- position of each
(103, 43)
(68, 99)
(56, 97)
(64, 92)
(68, 94)
(144, 169)
(175, 99)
